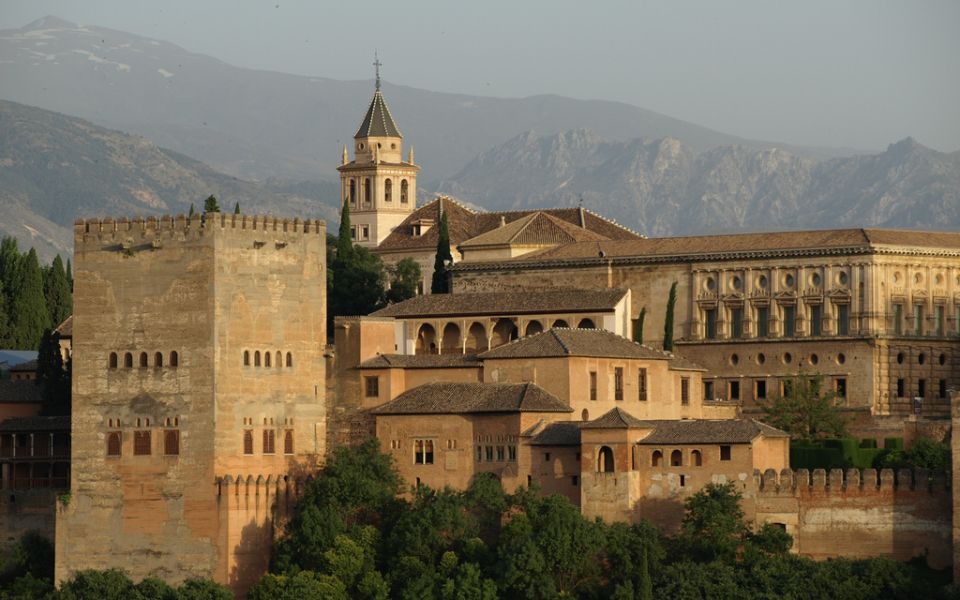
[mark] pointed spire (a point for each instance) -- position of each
(346, 159)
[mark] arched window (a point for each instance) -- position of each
(353, 191)
(560, 323)
(128, 360)
(533, 328)
(388, 191)
(248, 442)
(158, 359)
(657, 458)
(605, 460)
(174, 359)
(113, 360)
(288, 442)
(403, 191)
(450, 343)
(279, 359)
(586, 324)
(696, 458)
(143, 360)
(367, 190)
(113, 443)
(476, 338)
(256, 358)
(426, 340)
(676, 458)
(246, 358)
(289, 359)
(503, 332)
(585, 415)
(266, 358)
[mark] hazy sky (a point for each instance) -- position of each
(859, 74)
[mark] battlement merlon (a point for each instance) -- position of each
(837, 481)
(153, 230)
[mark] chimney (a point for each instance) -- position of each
(503, 221)
(583, 218)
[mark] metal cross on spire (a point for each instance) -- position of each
(376, 65)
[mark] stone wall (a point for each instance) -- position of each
(27, 510)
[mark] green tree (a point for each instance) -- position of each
(355, 276)
(192, 211)
(713, 526)
(70, 280)
(10, 259)
(638, 326)
(53, 375)
(668, 321)
(805, 410)
(210, 204)
(203, 589)
(4, 320)
(440, 284)
(29, 313)
(112, 584)
(56, 288)
(236, 208)
(404, 278)
(926, 453)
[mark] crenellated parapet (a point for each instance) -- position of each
(125, 233)
(852, 481)
(258, 485)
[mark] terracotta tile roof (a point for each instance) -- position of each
(558, 433)
(575, 342)
(709, 431)
(460, 398)
(65, 329)
(19, 391)
(30, 365)
(536, 229)
(617, 418)
(464, 223)
(679, 363)
(421, 361)
(505, 303)
(36, 424)
(711, 247)
(378, 122)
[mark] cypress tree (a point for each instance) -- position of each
(668, 322)
(190, 214)
(638, 327)
(210, 204)
(344, 242)
(10, 259)
(52, 375)
(70, 277)
(440, 284)
(236, 208)
(57, 292)
(4, 320)
(29, 311)
(646, 584)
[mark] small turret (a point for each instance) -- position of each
(346, 157)
(410, 156)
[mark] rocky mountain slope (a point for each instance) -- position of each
(258, 124)
(55, 168)
(666, 187)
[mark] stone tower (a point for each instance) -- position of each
(198, 392)
(380, 187)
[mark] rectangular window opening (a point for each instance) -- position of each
(725, 452)
(684, 390)
(618, 383)
(763, 321)
(789, 321)
(593, 385)
(736, 323)
(710, 316)
(816, 320)
(734, 390)
(372, 385)
(760, 389)
(642, 384)
(843, 319)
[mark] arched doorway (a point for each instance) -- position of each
(605, 460)
(533, 328)
(476, 338)
(426, 340)
(503, 332)
(450, 343)
(586, 324)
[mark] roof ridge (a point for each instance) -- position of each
(559, 340)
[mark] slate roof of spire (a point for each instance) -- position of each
(378, 122)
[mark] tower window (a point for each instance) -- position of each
(269, 441)
(388, 191)
(618, 383)
(403, 191)
(113, 360)
(113, 443)
(246, 358)
(289, 359)
(288, 442)
(367, 191)
(642, 384)
(171, 442)
(174, 359)
(266, 358)
(143, 360)
(141, 443)
(158, 359)
(353, 191)
(128, 360)
(248, 442)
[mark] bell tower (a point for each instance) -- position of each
(380, 187)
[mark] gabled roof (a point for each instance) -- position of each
(559, 342)
(10, 358)
(35, 424)
(65, 329)
(558, 433)
(617, 418)
(20, 391)
(505, 303)
(709, 431)
(536, 229)
(715, 247)
(465, 398)
(378, 122)
(30, 365)
(421, 361)
(466, 223)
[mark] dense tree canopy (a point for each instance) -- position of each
(404, 278)
(32, 297)
(805, 410)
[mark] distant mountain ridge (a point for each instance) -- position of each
(55, 168)
(665, 187)
(258, 124)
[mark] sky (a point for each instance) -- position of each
(855, 74)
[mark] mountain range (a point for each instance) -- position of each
(270, 141)
(665, 187)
